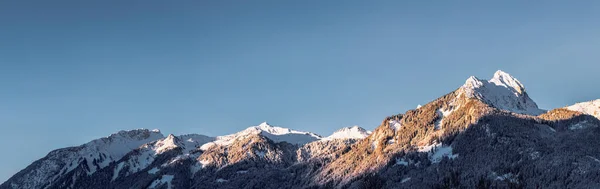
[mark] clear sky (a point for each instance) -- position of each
(73, 71)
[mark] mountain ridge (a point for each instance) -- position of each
(433, 136)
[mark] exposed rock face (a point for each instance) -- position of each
(406, 133)
(485, 134)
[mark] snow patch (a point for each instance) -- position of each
(405, 180)
(441, 152)
(195, 168)
(534, 155)
(593, 158)
(242, 172)
(117, 170)
(508, 176)
(260, 154)
(165, 179)
(442, 113)
(220, 180)
(437, 152)
(192, 142)
(391, 141)
(581, 125)
(401, 161)
(175, 160)
(198, 166)
(374, 144)
(140, 161)
(153, 170)
(428, 148)
(395, 124)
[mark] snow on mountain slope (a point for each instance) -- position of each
(89, 157)
(355, 132)
(165, 144)
(590, 107)
(504, 92)
(194, 141)
(119, 144)
(146, 154)
(323, 148)
(327, 146)
(277, 134)
(165, 179)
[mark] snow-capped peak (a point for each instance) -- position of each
(187, 142)
(473, 82)
(264, 124)
(168, 143)
(504, 79)
(146, 154)
(118, 144)
(503, 91)
(590, 107)
(270, 131)
(354, 132)
(265, 127)
(277, 134)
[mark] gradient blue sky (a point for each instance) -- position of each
(72, 71)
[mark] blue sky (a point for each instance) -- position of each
(72, 71)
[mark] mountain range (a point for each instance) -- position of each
(484, 134)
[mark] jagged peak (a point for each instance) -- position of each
(473, 82)
(172, 138)
(265, 127)
(500, 78)
(168, 143)
(264, 124)
(504, 79)
(502, 91)
(135, 134)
